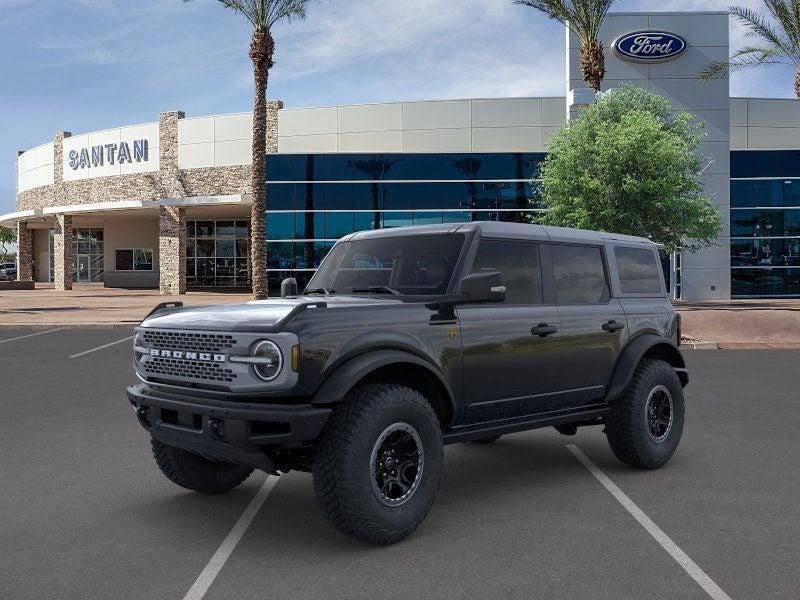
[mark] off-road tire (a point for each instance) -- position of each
(193, 472)
(342, 462)
(627, 426)
(487, 440)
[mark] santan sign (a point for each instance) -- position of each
(649, 46)
(97, 156)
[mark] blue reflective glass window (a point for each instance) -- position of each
(280, 255)
(769, 222)
(768, 193)
(427, 218)
(366, 196)
(397, 219)
(457, 216)
(513, 217)
(280, 226)
(340, 167)
(768, 163)
(338, 224)
(765, 282)
(455, 195)
(280, 196)
(791, 192)
(339, 196)
(396, 196)
(514, 195)
(529, 163)
(790, 163)
(426, 166)
(485, 195)
(309, 196)
(791, 223)
(281, 167)
(398, 167)
(309, 226)
(495, 166)
(742, 164)
(367, 220)
(742, 223)
(427, 195)
(304, 255)
(741, 194)
(463, 166)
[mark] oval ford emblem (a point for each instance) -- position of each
(649, 46)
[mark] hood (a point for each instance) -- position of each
(260, 315)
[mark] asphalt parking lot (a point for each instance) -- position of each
(85, 513)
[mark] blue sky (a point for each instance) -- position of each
(84, 65)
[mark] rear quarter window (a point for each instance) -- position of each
(638, 270)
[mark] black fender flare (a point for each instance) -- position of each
(336, 385)
(632, 355)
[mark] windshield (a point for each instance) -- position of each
(416, 265)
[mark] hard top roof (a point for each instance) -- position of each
(507, 230)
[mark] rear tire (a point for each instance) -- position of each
(378, 463)
(645, 425)
(193, 472)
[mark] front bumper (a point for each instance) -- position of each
(227, 431)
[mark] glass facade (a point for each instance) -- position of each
(765, 223)
(315, 199)
(218, 254)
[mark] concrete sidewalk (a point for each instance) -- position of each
(92, 305)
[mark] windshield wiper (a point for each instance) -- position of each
(376, 289)
(323, 291)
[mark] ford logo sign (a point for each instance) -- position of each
(649, 46)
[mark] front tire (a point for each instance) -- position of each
(645, 426)
(193, 472)
(378, 463)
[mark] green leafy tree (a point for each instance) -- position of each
(263, 15)
(8, 236)
(628, 165)
(778, 40)
(584, 18)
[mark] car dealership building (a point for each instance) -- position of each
(167, 204)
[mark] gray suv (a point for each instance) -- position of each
(406, 340)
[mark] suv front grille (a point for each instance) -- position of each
(188, 369)
(193, 342)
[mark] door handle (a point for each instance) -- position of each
(543, 330)
(612, 326)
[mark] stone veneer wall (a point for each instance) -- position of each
(172, 250)
(62, 250)
(24, 252)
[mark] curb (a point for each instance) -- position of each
(702, 346)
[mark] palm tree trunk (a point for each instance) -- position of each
(797, 84)
(593, 66)
(262, 48)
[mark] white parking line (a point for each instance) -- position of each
(22, 337)
(101, 347)
(214, 566)
(688, 565)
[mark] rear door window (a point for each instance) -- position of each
(580, 275)
(519, 264)
(638, 270)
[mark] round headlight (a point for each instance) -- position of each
(271, 361)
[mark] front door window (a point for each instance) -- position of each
(87, 255)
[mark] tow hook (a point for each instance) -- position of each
(143, 414)
(217, 429)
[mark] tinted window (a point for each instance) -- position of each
(579, 274)
(519, 264)
(410, 264)
(638, 271)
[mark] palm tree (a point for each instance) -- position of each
(376, 168)
(780, 41)
(262, 15)
(584, 19)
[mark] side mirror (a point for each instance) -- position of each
(483, 287)
(289, 287)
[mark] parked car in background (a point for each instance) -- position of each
(8, 271)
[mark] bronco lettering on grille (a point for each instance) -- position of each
(184, 355)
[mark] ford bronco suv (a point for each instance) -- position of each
(406, 340)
